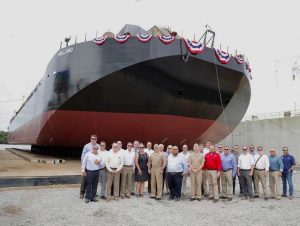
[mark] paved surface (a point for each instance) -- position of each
(60, 205)
(12, 165)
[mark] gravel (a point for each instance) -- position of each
(60, 205)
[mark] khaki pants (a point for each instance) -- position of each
(213, 184)
(113, 178)
(260, 176)
(274, 179)
(226, 181)
(204, 182)
(126, 179)
(156, 182)
(196, 183)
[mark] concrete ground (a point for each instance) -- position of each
(60, 205)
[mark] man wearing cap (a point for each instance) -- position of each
(103, 171)
(127, 171)
(214, 166)
(186, 155)
(196, 162)
(275, 172)
(114, 165)
(156, 167)
(229, 168)
(90, 169)
(86, 149)
(177, 168)
(245, 172)
(289, 165)
(261, 171)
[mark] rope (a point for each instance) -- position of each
(220, 94)
(185, 59)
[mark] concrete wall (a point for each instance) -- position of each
(268, 133)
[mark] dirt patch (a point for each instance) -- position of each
(11, 209)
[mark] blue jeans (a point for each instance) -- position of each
(287, 176)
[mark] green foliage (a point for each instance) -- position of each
(3, 137)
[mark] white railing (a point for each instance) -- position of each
(281, 114)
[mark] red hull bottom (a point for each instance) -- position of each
(73, 128)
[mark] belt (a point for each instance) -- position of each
(259, 169)
(92, 170)
(245, 169)
(103, 168)
(113, 168)
(129, 166)
(174, 173)
(226, 170)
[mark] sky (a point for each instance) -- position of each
(267, 32)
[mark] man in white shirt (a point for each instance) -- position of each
(245, 172)
(204, 171)
(149, 151)
(103, 171)
(127, 171)
(87, 148)
(177, 167)
(120, 145)
(136, 146)
(90, 169)
(114, 165)
(261, 170)
(186, 155)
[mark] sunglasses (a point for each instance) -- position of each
(220, 147)
(226, 149)
(245, 149)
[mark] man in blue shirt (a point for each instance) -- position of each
(275, 172)
(229, 168)
(289, 165)
(177, 167)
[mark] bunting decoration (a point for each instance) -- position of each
(239, 59)
(166, 39)
(121, 38)
(144, 38)
(194, 47)
(100, 40)
(248, 69)
(222, 56)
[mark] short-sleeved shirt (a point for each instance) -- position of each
(288, 161)
(157, 159)
(196, 159)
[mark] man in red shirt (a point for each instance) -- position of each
(214, 166)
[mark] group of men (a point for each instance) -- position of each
(212, 171)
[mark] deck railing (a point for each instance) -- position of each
(273, 115)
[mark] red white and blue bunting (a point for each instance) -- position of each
(222, 56)
(248, 69)
(100, 41)
(166, 39)
(194, 47)
(144, 38)
(121, 38)
(239, 59)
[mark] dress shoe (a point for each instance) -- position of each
(222, 197)
(157, 198)
(103, 197)
(177, 199)
(127, 196)
(132, 193)
(199, 199)
(81, 196)
(86, 200)
(266, 198)
(122, 196)
(256, 196)
(152, 197)
(171, 197)
(229, 199)
(192, 199)
(93, 200)
(283, 195)
(210, 198)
